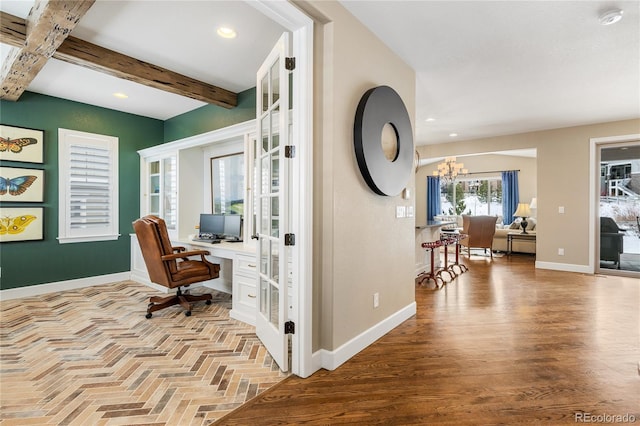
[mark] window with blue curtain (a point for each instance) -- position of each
(433, 196)
(510, 196)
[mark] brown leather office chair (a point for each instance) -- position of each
(480, 231)
(170, 266)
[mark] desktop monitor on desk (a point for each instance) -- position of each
(211, 226)
(233, 227)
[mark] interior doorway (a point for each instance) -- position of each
(617, 207)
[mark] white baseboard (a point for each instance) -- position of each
(36, 290)
(330, 360)
(567, 267)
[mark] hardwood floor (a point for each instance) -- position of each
(502, 344)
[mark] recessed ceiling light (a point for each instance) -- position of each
(226, 32)
(430, 119)
(611, 16)
(453, 135)
(120, 95)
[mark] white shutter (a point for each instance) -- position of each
(88, 187)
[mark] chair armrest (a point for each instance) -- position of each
(182, 255)
(178, 248)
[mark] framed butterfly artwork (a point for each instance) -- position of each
(21, 224)
(21, 144)
(21, 185)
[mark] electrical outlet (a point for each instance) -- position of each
(561, 209)
(409, 211)
(376, 300)
(560, 252)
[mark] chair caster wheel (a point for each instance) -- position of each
(149, 315)
(187, 314)
(208, 302)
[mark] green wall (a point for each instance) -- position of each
(37, 262)
(211, 117)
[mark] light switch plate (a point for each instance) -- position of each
(400, 211)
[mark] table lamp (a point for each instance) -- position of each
(523, 211)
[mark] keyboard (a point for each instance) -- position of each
(206, 240)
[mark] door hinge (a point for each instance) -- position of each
(290, 63)
(289, 151)
(289, 239)
(289, 327)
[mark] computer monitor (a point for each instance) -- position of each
(233, 227)
(211, 225)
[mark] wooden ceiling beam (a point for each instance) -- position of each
(85, 54)
(47, 26)
(79, 52)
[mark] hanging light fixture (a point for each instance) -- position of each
(449, 170)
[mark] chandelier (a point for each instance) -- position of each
(449, 170)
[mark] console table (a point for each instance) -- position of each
(517, 235)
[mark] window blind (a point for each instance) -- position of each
(89, 187)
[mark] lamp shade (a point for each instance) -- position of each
(523, 210)
(534, 203)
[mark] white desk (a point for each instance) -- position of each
(238, 268)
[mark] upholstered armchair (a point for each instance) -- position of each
(170, 266)
(611, 241)
(480, 231)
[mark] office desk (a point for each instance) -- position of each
(238, 268)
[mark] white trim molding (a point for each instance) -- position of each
(566, 267)
(55, 287)
(330, 360)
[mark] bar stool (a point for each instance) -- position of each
(446, 242)
(461, 268)
(431, 246)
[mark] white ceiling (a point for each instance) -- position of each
(176, 35)
(483, 68)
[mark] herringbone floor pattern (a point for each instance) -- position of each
(89, 357)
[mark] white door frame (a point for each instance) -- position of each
(594, 190)
(301, 27)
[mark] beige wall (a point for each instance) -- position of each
(477, 164)
(562, 180)
(360, 248)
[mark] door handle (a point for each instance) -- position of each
(255, 237)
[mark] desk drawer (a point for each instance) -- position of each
(246, 265)
(247, 291)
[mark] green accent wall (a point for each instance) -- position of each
(211, 117)
(37, 262)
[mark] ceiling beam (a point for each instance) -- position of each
(47, 26)
(83, 53)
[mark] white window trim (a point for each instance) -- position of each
(65, 233)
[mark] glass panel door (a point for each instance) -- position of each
(273, 202)
(619, 209)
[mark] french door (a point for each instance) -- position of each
(273, 202)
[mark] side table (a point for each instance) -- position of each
(516, 235)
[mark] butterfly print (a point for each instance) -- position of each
(15, 225)
(15, 145)
(16, 186)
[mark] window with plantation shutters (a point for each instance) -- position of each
(88, 187)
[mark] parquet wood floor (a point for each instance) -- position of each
(90, 357)
(502, 344)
